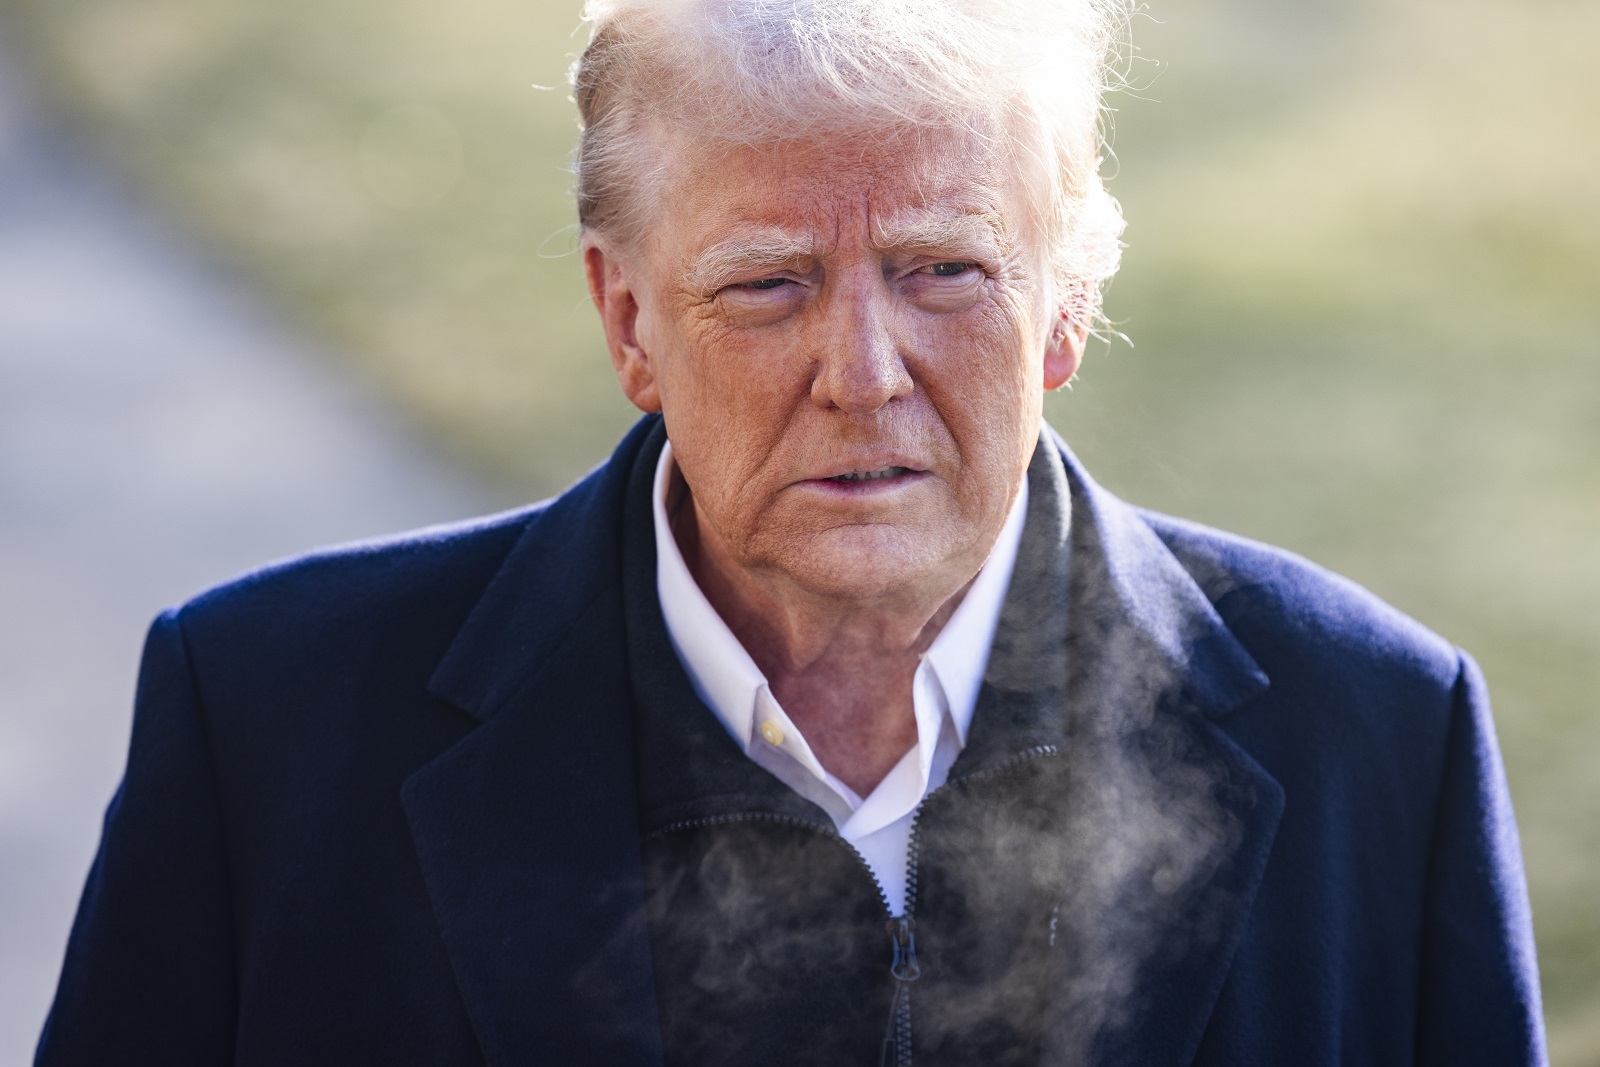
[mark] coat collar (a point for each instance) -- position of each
(1169, 822)
(528, 832)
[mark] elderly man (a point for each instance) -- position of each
(839, 718)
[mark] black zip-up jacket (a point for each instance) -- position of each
(772, 941)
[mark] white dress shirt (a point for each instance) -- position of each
(943, 693)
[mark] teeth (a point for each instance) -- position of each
(867, 476)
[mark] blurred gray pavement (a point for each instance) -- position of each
(158, 434)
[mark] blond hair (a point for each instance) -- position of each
(758, 71)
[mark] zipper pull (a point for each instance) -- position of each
(903, 936)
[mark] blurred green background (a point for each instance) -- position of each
(1361, 286)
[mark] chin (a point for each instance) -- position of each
(867, 563)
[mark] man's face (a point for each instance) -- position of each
(849, 344)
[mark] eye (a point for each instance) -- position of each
(764, 283)
(952, 269)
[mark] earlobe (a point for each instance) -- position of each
(613, 296)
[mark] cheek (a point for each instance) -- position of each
(692, 370)
(726, 397)
(731, 377)
(985, 361)
(983, 376)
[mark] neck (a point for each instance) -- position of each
(841, 669)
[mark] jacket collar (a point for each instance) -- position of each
(528, 829)
(1168, 822)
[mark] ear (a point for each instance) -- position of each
(611, 288)
(1063, 352)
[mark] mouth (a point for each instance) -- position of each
(880, 474)
(886, 481)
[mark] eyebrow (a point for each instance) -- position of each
(747, 254)
(966, 231)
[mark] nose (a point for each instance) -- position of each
(860, 368)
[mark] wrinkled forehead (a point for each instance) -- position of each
(907, 188)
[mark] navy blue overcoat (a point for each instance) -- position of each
(380, 808)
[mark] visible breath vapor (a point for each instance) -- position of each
(1075, 852)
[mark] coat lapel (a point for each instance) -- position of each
(1169, 823)
(527, 829)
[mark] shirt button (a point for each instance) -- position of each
(771, 734)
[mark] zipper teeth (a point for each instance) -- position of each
(740, 816)
(785, 820)
(900, 1009)
(900, 1019)
(914, 845)
(902, 1004)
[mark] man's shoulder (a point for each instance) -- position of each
(401, 579)
(1286, 609)
(394, 606)
(1361, 700)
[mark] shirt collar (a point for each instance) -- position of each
(723, 674)
(960, 653)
